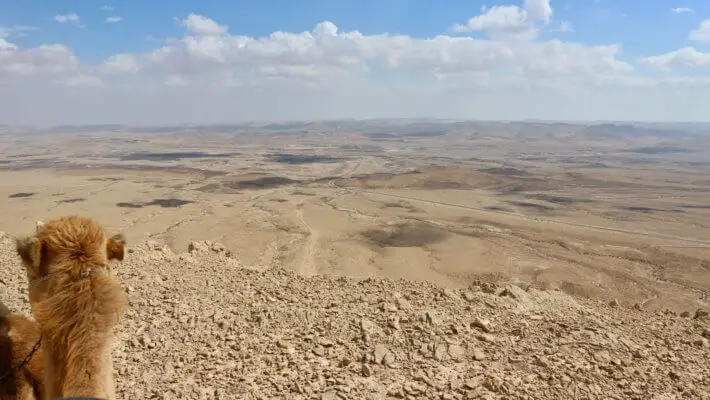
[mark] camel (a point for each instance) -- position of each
(21, 365)
(76, 301)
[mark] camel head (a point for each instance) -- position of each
(66, 247)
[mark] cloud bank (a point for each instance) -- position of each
(494, 66)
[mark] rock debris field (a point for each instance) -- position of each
(202, 326)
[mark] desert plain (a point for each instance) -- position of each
(606, 211)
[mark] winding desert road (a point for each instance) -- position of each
(307, 264)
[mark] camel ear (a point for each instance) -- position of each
(38, 226)
(30, 250)
(115, 247)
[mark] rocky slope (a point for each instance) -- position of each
(202, 326)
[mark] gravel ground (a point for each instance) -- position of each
(202, 326)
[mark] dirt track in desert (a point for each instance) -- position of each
(592, 216)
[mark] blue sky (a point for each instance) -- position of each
(641, 27)
(542, 43)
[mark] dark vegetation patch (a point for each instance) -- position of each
(279, 200)
(106, 179)
(5, 161)
(401, 204)
(644, 210)
(204, 172)
(302, 193)
(659, 150)
(531, 206)
(556, 199)
(129, 205)
(69, 201)
(297, 159)
(20, 195)
(406, 235)
(173, 156)
(267, 182)
(648, 210)
(498, 208)
(164, 203)
(427, 133)
(169, 203)
(505, 171)
(513, 189)
(262, 183)
(696, 206)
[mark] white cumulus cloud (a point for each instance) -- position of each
(687, 57)
(681, 10)
(208, 74)
(199, 25)
(701, 33)
(510, 20)
(71, 18)
(16, 30)
(113, 19)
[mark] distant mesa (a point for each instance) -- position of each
(21, 195)
(434, 132)
(659, 150)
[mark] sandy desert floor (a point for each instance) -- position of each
(594, 217)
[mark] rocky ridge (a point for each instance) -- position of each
(202, 326)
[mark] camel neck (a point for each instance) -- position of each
(82, 370)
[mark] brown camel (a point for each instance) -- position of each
(76, 301)
(21, 365)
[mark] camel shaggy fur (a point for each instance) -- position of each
(76, 301)
(21, 365)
